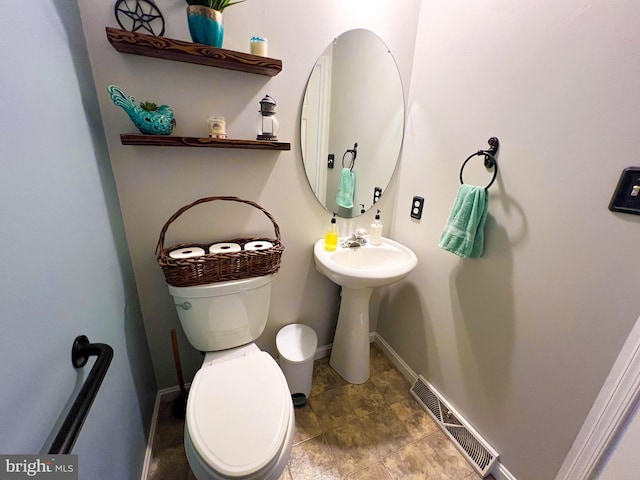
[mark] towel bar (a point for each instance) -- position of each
(489, 160)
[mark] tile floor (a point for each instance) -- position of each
(373, 431)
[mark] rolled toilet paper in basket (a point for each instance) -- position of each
(186, 252)
(258, 245)
(225, 248)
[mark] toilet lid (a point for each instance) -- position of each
(238, 413)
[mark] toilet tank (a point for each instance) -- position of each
(223, 315)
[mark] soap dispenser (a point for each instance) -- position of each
(360, 230)
(331, 238)
(375, 233)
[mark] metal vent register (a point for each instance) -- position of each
(474, 448)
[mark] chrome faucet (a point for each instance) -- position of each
(354, 241)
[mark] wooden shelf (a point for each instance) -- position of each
(174, 141)
(180, 51)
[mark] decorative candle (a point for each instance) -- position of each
(217, 127)
(258, 46)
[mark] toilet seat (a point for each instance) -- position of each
(238, 416)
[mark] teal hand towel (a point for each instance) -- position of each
(464, 232)
(346, 187)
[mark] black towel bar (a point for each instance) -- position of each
(80, 353)
(489, 160)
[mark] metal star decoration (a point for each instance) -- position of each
(134, 15)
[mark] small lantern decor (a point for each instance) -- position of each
(267, 123)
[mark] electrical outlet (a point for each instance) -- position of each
(377, 193)
(416, 207)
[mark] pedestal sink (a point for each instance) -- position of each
(359, 270)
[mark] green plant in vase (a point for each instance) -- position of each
(205, 20)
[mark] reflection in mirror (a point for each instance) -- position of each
(354, 96)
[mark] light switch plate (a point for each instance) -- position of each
(626, 198)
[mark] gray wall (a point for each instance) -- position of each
(521, 340)
(65, 265)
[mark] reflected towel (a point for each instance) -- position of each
(346, 187)
(464, 232)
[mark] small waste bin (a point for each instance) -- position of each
(296, 344)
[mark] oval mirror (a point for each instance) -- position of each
(353, 107)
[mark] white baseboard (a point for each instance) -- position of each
(499, 472)
(322, 352)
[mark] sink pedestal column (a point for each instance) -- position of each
(350, 351)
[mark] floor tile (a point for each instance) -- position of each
(417, 422)
(392, 385)
(444, 456)
(377, 471)
(386, 431)
(379, 361)
(364, 398)
(324, 377)
(307, 425)
(351, 447)
(409, 463)
(331, 408)
(172, 463)
(312, 459)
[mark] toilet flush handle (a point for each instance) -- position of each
(185, 305)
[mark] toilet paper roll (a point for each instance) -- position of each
(187, 252)
(258, 245)
(224, 248)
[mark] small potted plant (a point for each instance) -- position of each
(205, 20)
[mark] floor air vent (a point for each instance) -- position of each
(475, 449)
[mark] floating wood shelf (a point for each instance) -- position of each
(180, 51)
(174, 141)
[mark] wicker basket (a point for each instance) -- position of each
(219, 267)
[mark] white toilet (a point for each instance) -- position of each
(240, 420)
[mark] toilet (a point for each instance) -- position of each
(239, 422)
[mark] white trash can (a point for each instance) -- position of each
(296, 344)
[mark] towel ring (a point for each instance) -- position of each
(354, 154)
(489, 160)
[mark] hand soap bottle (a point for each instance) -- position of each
(331, 238)
(361, 230)
(375, 232)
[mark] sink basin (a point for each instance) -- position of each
(359, 270)
(369, 266)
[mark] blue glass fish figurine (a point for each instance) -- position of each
(148, 117)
